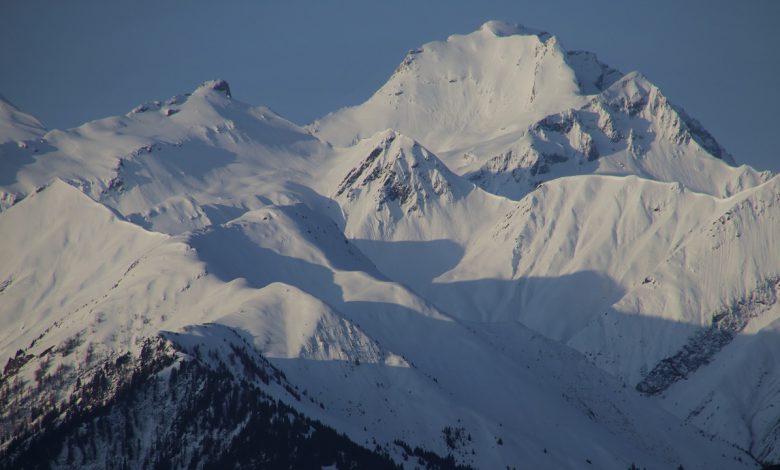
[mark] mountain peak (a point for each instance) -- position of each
(503, 28)
(387, 136)
(171, 106)
(632, 83)
(395, 169)
(635, 94)
(219, 85)
(632, 93)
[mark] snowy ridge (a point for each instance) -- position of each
(593, 76)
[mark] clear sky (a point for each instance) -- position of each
(67, 62)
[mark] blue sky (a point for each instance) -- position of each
(70, 62)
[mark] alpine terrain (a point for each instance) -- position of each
(510, 256)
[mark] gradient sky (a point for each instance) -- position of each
(68, 62)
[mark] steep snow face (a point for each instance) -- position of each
(20, 134)
(628, 129)
(68, 261)
(17, 126)
(449, 94)
(592, 75)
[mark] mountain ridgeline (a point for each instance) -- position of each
(512, 255)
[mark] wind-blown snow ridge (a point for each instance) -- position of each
(502, 28)
(17, 126)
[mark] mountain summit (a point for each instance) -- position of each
(502, 28)
(451, 93)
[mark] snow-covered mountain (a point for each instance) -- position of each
(510, 255)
